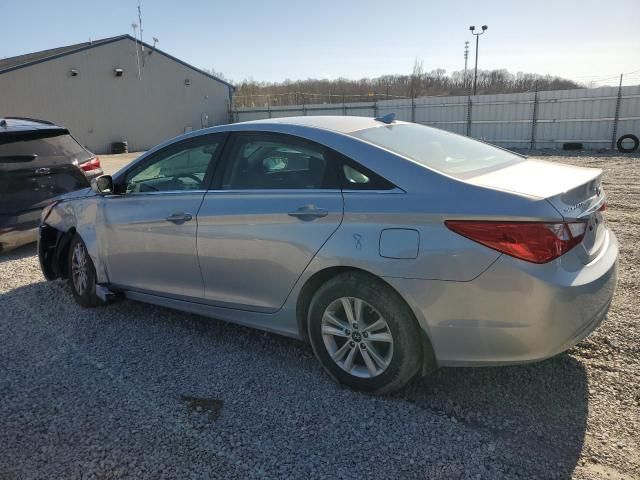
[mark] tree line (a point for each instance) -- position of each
(252, 93)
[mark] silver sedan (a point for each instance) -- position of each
(392, 248)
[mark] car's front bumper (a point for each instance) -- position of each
(514, 312)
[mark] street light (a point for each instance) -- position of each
(477, 35)
(466, 56)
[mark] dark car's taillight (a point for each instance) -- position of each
(536, 242)
(89, 165)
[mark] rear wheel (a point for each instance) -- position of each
(82, 274)
(364, 334)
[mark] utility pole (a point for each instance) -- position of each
(466, 56)
(475, 71)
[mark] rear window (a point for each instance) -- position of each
(42, 144)
(443, 151)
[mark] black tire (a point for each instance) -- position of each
(85, 297)
(628, 136)
(406, 357)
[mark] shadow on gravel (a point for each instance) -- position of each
(19, 253)
(536, 411)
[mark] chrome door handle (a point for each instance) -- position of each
(309, 212)
(179, 217)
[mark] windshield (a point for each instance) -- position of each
(443, 151)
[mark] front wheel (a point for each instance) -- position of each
(363, 334)
(82, 274)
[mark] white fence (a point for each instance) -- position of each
(595, 117)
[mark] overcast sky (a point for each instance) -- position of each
(274, 40)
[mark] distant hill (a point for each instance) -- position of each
(251, 93)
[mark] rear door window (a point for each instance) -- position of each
(277, 161)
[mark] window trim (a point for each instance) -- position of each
(330, 154)
(192, 142)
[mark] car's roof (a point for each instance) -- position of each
(21, 124)
(334, 123)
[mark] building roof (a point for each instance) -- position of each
(21, 61)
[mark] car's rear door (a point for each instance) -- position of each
(274, 205)
(148, 230)
(34, 167)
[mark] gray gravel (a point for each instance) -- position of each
(136, 391)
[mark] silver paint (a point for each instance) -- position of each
(243, 258)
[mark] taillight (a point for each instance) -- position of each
(90, 164)
(535, 242)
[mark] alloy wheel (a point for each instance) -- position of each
(357, 337)
(79, 265)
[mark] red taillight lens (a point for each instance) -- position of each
(531, 241)
(90, 164)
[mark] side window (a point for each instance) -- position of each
(274, 161)
(179, 168)
(356, 177)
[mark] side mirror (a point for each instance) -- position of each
(103, 185)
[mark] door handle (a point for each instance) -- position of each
(179, 217)
(309, 212)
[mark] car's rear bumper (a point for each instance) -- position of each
(515, 312)
(95, 173)
(14, 237)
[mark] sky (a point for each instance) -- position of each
(274, 40)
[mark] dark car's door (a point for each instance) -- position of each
(148, 231)
(276, 204)
(34, 167)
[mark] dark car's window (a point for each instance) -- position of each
(274, 161)
(42, 144)
(176, 169)
(443, 151)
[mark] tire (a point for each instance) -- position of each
(393, 361)
(79, 262)
(628, 136)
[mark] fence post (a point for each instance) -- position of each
(616, 117)
(469, 105)
(304, 108)
(413, 109)
(375, 106)
(269, 105)
(534, 118)
(344, 107)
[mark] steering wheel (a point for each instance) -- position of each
(188, 175)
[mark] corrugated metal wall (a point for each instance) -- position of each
(582, 115)
(100, 108)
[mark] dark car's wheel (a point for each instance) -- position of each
(82, 274)
(363, 333)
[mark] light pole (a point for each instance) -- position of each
(477, 35)
(466, 56)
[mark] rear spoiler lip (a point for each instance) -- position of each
(33, 131)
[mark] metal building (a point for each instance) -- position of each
(112, 90)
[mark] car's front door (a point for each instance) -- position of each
(274, 206)
(149, 229)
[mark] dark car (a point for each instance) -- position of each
(38, 161)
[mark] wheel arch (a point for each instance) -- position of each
(316, 280)
(54, 251)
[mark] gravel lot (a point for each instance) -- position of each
(136, 391)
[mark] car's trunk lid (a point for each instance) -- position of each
(575, 192)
